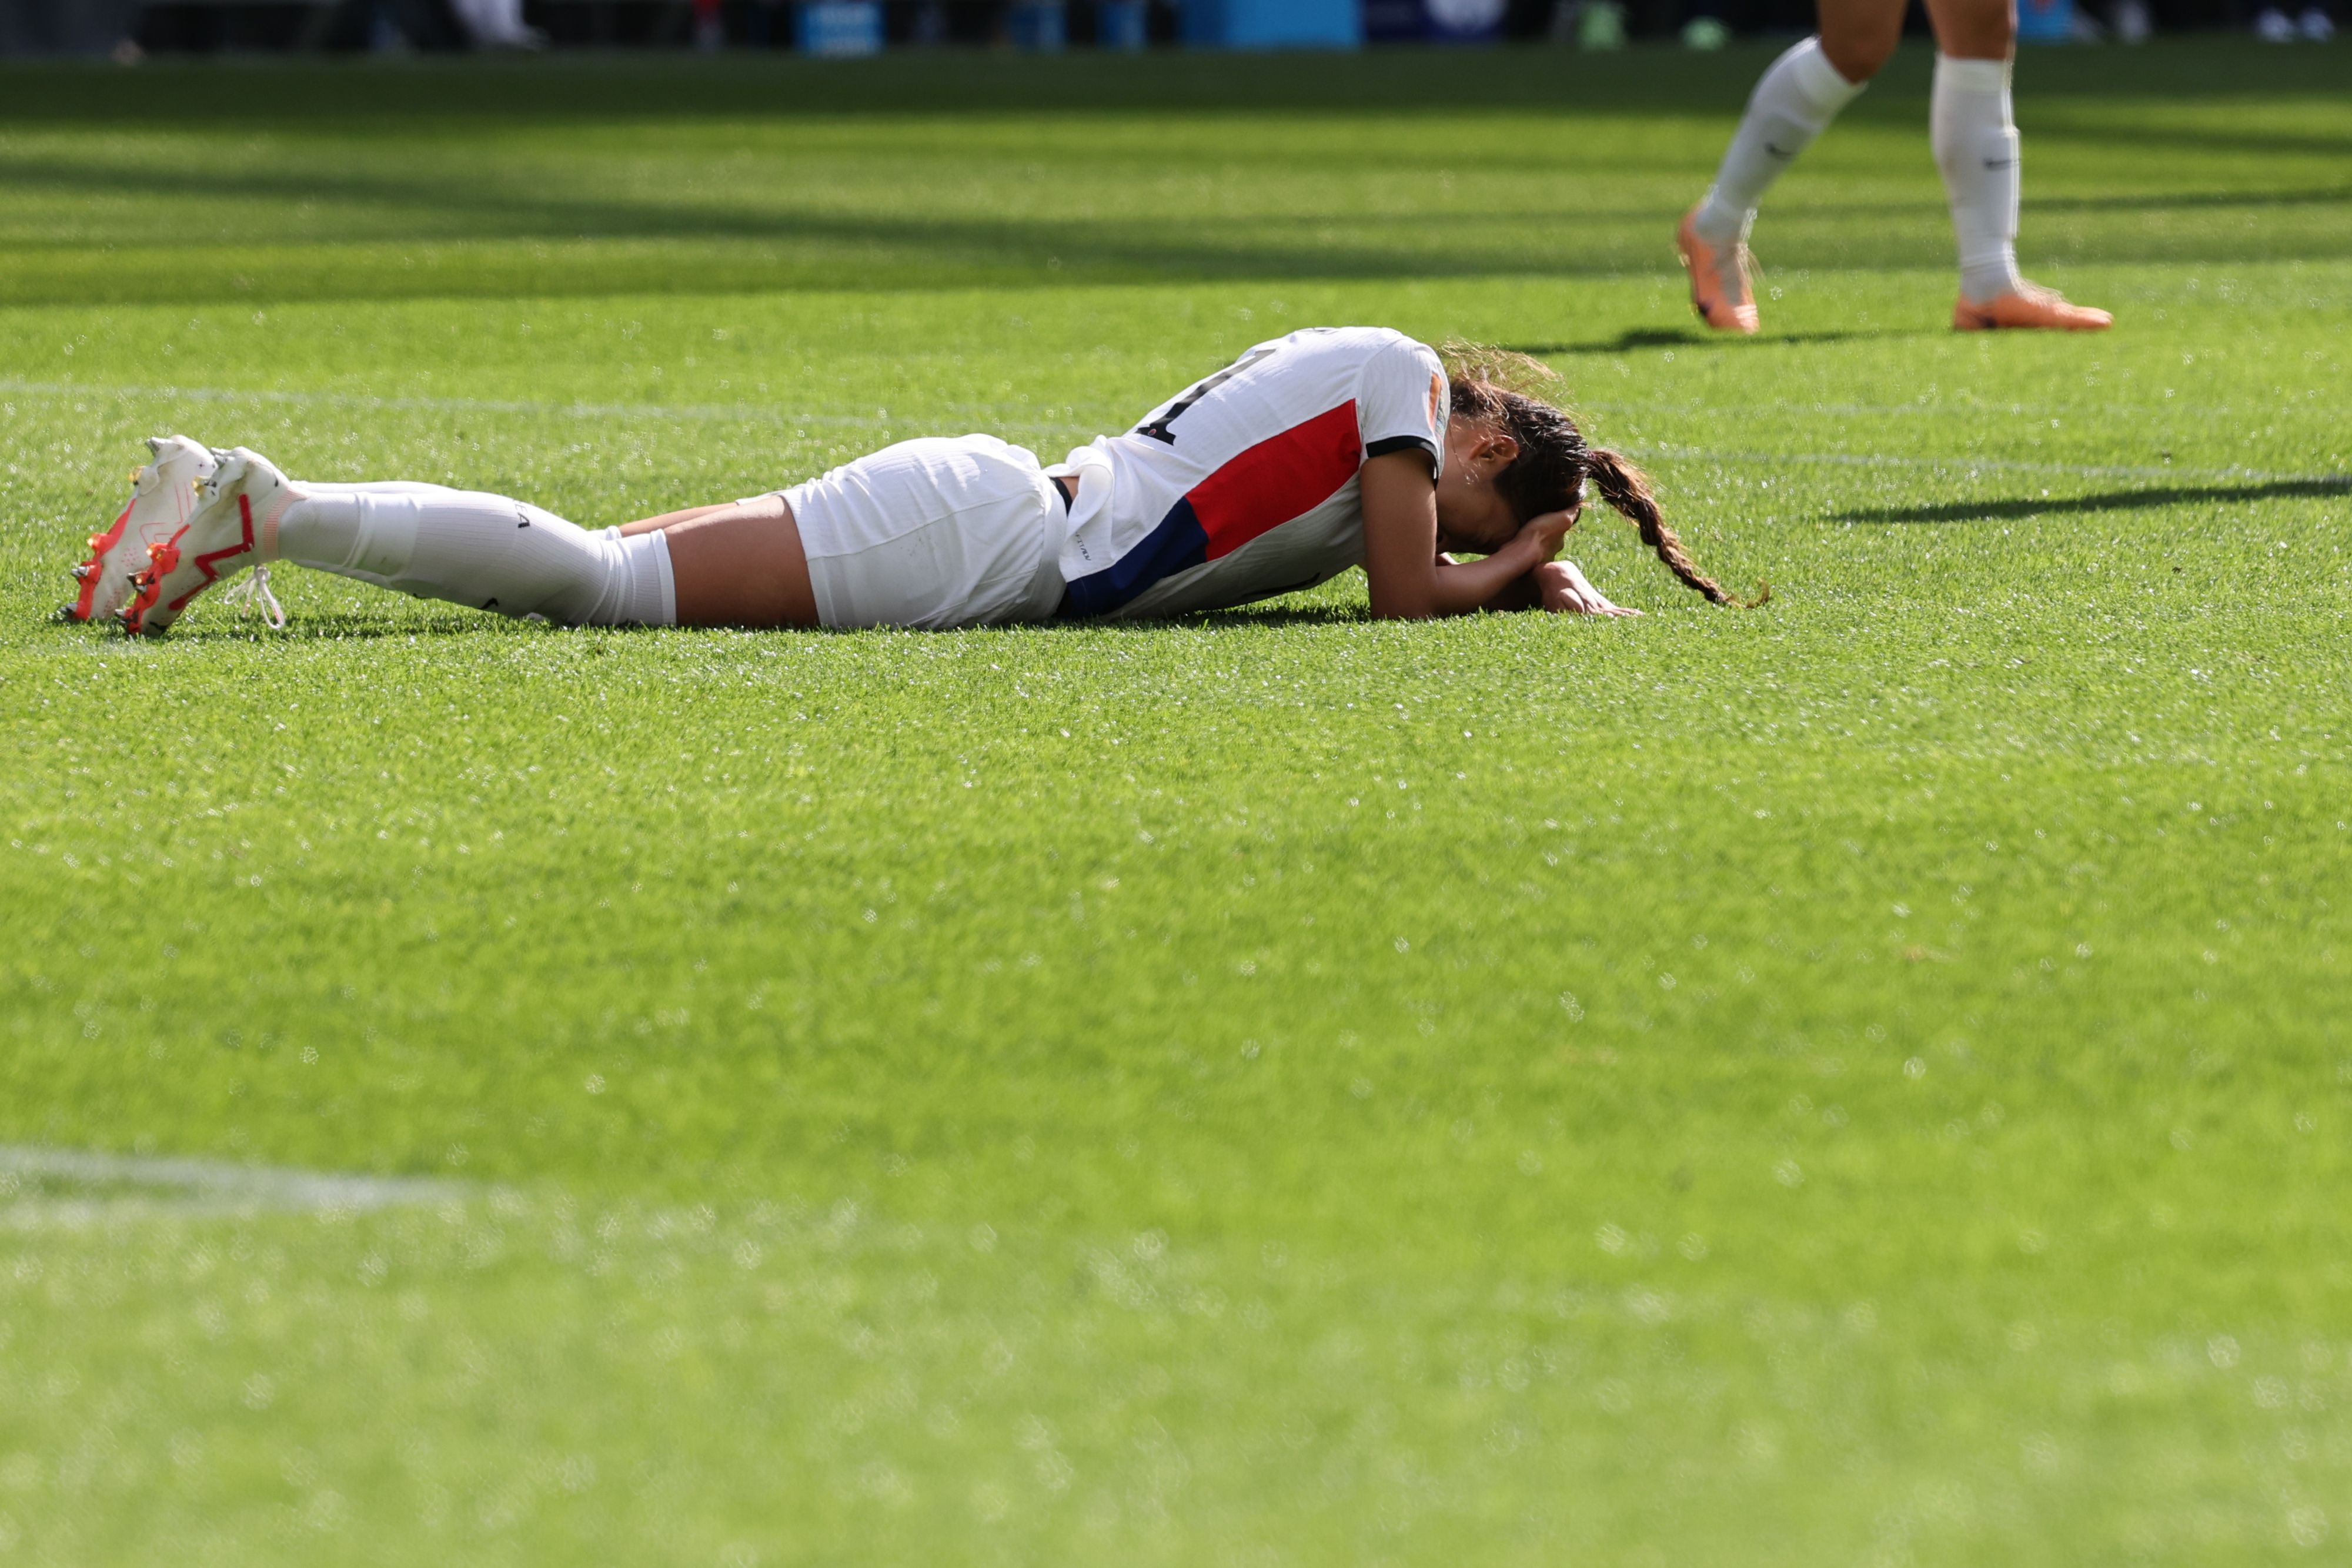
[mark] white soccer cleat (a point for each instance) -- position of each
(235, 525)
(163, 497)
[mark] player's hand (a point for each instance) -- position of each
(1565, 592)
(1546, 533)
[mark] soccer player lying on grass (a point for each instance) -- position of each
(1329, 448)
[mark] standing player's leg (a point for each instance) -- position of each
(1976, 144)
(1793, 102)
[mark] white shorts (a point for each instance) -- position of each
(935, 533)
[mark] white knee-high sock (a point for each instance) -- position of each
(479, 550)
(1977, 148)
(1793, 102)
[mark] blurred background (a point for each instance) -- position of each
(129, 30)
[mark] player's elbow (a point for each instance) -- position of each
(1406, 606)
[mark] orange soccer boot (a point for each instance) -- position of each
(2029, 305)
(1720, 289)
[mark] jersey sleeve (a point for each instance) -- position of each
(1402, 401)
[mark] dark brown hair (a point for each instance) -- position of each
(1490, 385)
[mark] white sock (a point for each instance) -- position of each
(1793, 102)
(1975, 147)
(482, 550)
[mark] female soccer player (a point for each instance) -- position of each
(1970, 124)
(1329, 448)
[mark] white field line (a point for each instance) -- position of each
(185, 1189)
(765, 414)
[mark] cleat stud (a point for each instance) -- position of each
(97, 541)
(85, 571)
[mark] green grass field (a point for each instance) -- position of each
(1864, 1082)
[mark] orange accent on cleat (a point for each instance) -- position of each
(1723, 311)
(87, 572)
(220, 538)
(166, 556)
(157, 507)
(2030, 306)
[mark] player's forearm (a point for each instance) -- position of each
(1449, 588)
(1498, 581)
(1522, 592)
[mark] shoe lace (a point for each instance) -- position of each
(253, 594)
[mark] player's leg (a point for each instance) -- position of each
(1793, 102)
(741, 564)
(1976, 143)
(1859, 36)
(931, 533)
(670, 519)
(734, 563)
(467, 547)
(928, 534)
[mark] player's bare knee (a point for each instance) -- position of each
(1861, 53)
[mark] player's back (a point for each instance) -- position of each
(1244, 485)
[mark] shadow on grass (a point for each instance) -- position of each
(329, 626)
(2106, 501)
(346, 626)
(858, 248)
(1702, 337)
(482, 200)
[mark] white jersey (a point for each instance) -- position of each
(1246, 485)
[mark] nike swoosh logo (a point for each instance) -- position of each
(1776, 152)
(1997, 163)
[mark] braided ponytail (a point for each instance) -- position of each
(1627, 490)
(1493, 385)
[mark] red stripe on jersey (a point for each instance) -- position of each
(1282, 477)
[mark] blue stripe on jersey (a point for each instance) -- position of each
(1178, 544)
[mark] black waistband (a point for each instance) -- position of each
(1061, 611)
